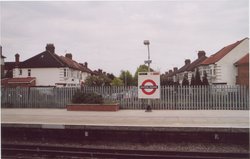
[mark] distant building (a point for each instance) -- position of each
(182, 71)
(242, 66)
(2, 63)
(193, 66)
(48, 69)
(220, 67)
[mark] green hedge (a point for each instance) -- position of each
(86, 98)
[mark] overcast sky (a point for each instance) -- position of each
(109, 35)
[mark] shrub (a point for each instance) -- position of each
(86, 98)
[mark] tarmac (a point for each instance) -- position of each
(171, 120)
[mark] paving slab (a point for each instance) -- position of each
(195, 119)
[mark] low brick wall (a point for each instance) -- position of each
(92, 107)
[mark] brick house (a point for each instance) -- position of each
(242, 66)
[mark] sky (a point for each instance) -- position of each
(109, 34)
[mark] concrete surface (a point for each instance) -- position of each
(133, 118)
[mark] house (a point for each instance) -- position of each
(49, 69)
(242, 66)
(189, 67)
(171, 75)
(2, 63)
(193, 66)
(182, 71)
(220, 67)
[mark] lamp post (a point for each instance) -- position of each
(146, 42)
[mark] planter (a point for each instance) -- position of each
(92, 107)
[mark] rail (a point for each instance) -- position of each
(37, 151)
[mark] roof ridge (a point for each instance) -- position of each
(243, 60)
(221, 53)
(57, 57)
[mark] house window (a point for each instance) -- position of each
(65, 72)
(29, 72)
(20, 72)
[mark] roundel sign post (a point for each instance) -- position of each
(149, 85)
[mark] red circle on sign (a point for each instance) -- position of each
(148, 81)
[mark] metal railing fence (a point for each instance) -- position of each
(172, 97)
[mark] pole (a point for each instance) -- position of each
(149, 109)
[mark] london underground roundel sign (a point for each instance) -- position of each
(149, 85)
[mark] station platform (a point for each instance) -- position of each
(157, 120)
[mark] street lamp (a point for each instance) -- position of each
(146, 42)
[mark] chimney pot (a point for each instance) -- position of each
(99, 71)
(86, 64)
(50, 48)
(175, 69)
(68, 55)
(187, 61)
(17, 57)
(201, 54)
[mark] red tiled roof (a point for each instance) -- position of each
(243, 60)
(70, 63)
(220, 54)
(194, 64)
(74, 64)
(21, 80)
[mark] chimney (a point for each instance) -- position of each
(17, 56)
(69, 55)
(50, 48)
(166, 73)
(170, 71)
(187, 61)
(175, 69)
(201, 54)
(100, 71)
(86, 64)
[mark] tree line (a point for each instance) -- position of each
(127, 79)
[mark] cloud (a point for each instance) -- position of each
(109, 35)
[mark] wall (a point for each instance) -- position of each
(84, 76)
(44, 76)
(243, 75)
(51, 76)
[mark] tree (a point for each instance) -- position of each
(197, 78)
(117, 82)
(164, 80)
(185, 81)
(110, 76)
(127, 78)
(204, 79)
(192, 83)
(141, 68)
(101, 80)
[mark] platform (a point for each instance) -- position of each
(171, 120)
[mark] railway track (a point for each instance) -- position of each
(41, 151)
